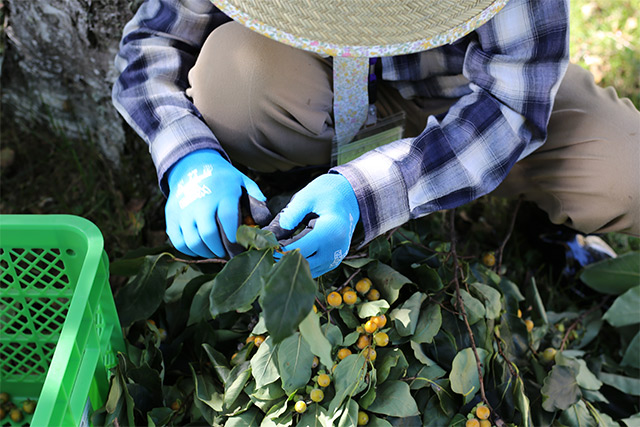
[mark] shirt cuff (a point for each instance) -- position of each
(380, 187)
(177, 139)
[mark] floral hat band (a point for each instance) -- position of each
(353, 30)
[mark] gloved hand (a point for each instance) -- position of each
(329, 210)
(203, 210)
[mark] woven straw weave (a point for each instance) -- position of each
(362, 22)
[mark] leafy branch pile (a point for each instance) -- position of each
(405, 332)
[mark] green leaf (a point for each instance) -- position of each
(142, 296)
(294, 362)
(577, 415)
(235, 383)
(406, 316)
(348, 379)
(380, 249)
(632, 421)
(560, 389)
(425, 376)
(256, 238)
(428, 279)
(206, 393)
(264, 364)
(464, 372)
(250, 418)
(372, 308)
(387, 280)
(199, 308)
(370, 395)
(429, 324)
(180, 281)
(349, 415)
(315, 416)
(394, 399)
(490, 297)
(625, 310)
(584, 377)
(288, 295)
(625, 384)
(377, 422)
(533, 295)
(218, 362)
(473, 307)
(433, 415)
(615, 275)
(318, 343)
(240, 281)
(522, 402)
(358, 263)
(632, 353)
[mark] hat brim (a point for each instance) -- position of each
(362, 28)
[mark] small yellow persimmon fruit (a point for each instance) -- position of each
(485, 423)
(258, 340)
(324, 380)
(334, 299)
(529, 324)
(373, 295)
(363, 341)
(380, 320)
(350, 297)
(489, 259)
(300, 406)
(16, 415)
(472, 423)
(482, 412)
(381, 339)
(370, 354)
(520, 313)
(316, 395)
(370, 326)
(345, 290)
(29, 406)
(363, 285)
(315, 362)
(549, 355)
(249, 339)
(363, 418)
(343, 352)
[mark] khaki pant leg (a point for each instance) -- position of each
(586, 175)
(270, 105)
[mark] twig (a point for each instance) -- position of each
(504, 356)
(357, 256)
(460, 303)
(349, 279)
(202, 261)
(508, 236)
(580, 319)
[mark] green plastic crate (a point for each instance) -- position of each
(59, 330)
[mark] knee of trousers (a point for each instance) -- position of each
(270, 105)
(587, 174)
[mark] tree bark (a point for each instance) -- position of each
(58, 70)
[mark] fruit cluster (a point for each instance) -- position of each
(7, 407)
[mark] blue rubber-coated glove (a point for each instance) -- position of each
(329, 211)
(203, 210)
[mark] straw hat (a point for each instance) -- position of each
(359, 29)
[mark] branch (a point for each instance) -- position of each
(580, 319)
(202, 261)
(456, 271)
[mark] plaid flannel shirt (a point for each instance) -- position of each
(505, 75)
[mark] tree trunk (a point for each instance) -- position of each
(58, 71)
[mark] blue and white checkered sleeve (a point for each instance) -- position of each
(515, 64)
(158, 47)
